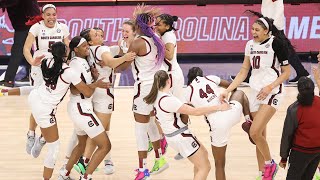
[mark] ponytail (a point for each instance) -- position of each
(159, 82)
(306, 91)
(73, 44)
(52, 72)
(169, 20)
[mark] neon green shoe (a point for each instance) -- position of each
(259, 178)
(317, 176)
(159, 166)
(80, 168)
(150, 148)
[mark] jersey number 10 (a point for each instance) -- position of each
(256, 62)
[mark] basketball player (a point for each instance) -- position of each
(168, 109)
(164, 26)
(45, 98)
(42, 35)
(80, 111)
(103, 100)
(204, 91)
(150, 54)
(268, 57)
(128, 35)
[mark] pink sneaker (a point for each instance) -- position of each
(246, 127)
(163, 145)
(145, 175)
(270, 171)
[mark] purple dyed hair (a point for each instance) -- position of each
(142, 21)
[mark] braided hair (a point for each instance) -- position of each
(52, 72)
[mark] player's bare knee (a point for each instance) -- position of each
(255, 134)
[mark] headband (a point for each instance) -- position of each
(264, 21)
(48, 6)
(82, 40)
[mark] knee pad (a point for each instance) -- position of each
(142, 136)
(153, 131)
(52, 155)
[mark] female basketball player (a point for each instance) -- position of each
(103, 100)
(80, 111)
(268, 58)
(164, 26)
(168, 109)
(44, 99)
(128, 35)
(42, 34)
(204, 91)
(150, 54)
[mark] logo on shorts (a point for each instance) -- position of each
(275, 102)
(134, 107)
(110, 106)
(53, 120)
(90, 124)
(194, 144)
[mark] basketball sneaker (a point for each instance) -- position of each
(30, 143)
(80, 167)
(85, 177)
(108, 167)
(270, 171)
(159, 165)
(163, 145)
(259, 178)
(317, 175)
(3, 92)
(62, 173)
(37, 147)
(178, 157)
(246, 127)
(145, 175)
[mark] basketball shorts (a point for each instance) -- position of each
(184, 143)
(103, 100)
(221, 122)
(84, 120)
(141, 90)
(273, 100)
(43, 113)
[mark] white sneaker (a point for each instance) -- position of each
(63, 171)
(37, 147)
(61, 177)
(108, 167)
(30, 143)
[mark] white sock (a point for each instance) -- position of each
(260, 174)
(31, 133)
(25, 90)
(268, 162)
(247, 118)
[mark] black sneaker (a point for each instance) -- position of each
(244, 83)
(9, 84)
(296, 79)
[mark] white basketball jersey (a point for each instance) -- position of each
(166, 107)
(170, 37)
(265, 64)
(203, 91)
(45, 37)
(55, 94)
(95, 57)
(144, 67)
(81, 65)
(274, 9)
